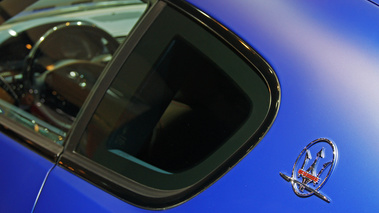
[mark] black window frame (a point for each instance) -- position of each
(126, 189)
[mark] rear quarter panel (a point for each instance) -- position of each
(325, 54)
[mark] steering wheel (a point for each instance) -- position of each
(68, 41)
(65, 88)
(63, 66)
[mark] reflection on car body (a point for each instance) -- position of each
(189, 105)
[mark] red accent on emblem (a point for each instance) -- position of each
(309, 176)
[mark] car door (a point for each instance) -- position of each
(47, 69)
(23, 173)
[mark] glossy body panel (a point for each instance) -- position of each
(325, 60)
(325, 54)
(22, 174)
(77, 195)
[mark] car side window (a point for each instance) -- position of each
(168, 115)
(183, 103)
(48, 70)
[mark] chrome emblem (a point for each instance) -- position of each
(308, 179)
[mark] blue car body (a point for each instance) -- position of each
(325, 56)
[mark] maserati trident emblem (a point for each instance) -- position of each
(309, 177)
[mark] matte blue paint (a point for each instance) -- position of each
(22, 174)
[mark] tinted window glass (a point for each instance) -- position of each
(182, 111)
(182, 103)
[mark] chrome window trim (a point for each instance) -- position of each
(28, 137)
